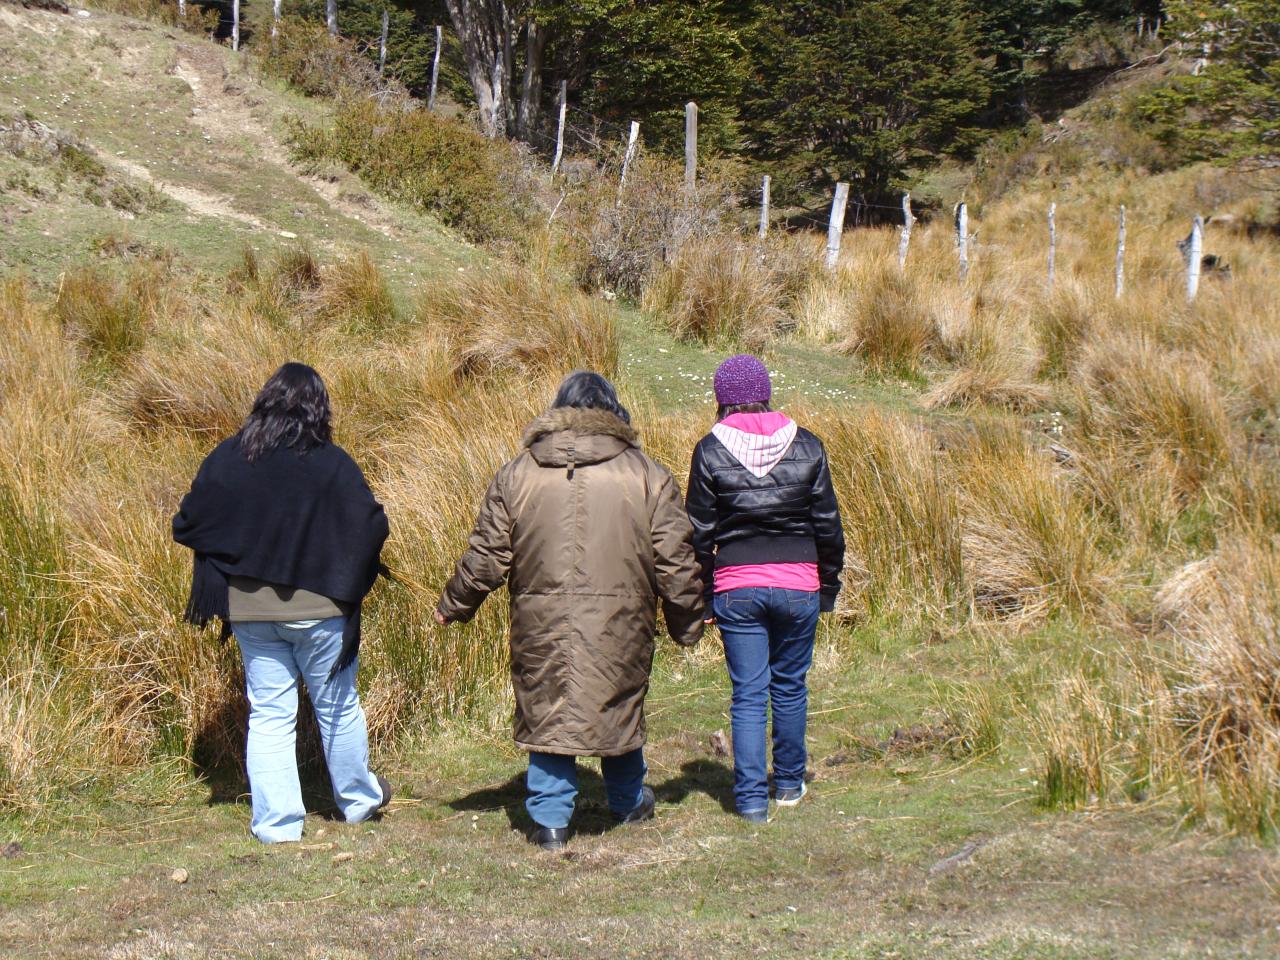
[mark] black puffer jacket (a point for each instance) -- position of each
(790, 515)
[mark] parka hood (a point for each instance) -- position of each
(567, 436)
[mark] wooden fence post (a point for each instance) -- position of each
(904, 236)
(435, 68)
(564, 105)
(690, 144)
(764, 206)
(632, 137)
(331, 16)
(1053, 240)
(235, 25)
(1120, 256)
(1193, 252)
(275, 17)
(962, 237)
(835, 226)
(382, 43)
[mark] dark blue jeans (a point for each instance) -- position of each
(553, 785)
(768, 643)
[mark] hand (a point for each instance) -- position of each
(440, 618)
(709, 621)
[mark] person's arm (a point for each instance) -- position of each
(701, 505)
(675, 565)
(484, 566)
(828, 534)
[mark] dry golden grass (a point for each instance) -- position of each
(719, 291)
(508, 320)
(1165, 419)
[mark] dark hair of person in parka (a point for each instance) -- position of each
(291, 410)
(589, 390)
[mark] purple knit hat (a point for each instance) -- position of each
(742, 379)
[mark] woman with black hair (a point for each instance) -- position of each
(589, 534)
(287, 536)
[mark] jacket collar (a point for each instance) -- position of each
(564, 436)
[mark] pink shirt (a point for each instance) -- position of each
(787, 576)
(759, 441)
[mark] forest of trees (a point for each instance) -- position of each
(867, 91)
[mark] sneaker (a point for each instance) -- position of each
(386, 791)
(755, 816)
(790, 796)
(643, 810)
(549, 838)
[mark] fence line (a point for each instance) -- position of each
(1192, 247)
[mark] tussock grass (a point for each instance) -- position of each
(1029, 545)
(889, 325)
(904, 526)
(507, 320)
(354, 295)
(111, 315)
(1164, 406)
(719, 291)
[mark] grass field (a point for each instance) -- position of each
(905, 854)
(1045, 718)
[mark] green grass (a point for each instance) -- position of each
(846, 874)
(676, 375)
(199, 121)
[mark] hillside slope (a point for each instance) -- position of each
(192, 141)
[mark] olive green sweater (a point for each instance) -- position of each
(253, 600)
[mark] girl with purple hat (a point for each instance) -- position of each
(767, 534)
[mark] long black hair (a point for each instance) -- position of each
(582, 388)
(291, 409)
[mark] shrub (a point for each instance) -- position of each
(199, 19)
(437, 164)
(512, 320)
(624, 239)
(307, 57)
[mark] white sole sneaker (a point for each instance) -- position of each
(792, 801)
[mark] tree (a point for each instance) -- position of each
(645, 60)
(865, 91)
(1017, 34)
(1231, 108)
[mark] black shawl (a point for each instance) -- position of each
(304, 520)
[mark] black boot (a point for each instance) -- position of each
(549, 838)
(645, 810)
(386, 791)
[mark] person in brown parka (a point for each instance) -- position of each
(589, 534)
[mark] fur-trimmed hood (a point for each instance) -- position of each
(568, 436)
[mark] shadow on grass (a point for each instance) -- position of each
(700, 776)
(218, 756)
(591, 813)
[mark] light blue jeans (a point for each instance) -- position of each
(275, 656)
(553, 785)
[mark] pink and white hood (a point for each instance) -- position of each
(758, 441)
